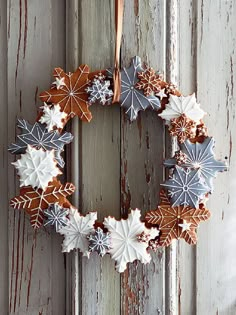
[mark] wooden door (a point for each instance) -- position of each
(116, 164)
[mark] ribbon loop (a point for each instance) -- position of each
(119, 10)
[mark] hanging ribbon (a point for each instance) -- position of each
(119, 9)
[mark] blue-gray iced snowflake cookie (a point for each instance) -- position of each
(56, 216)
(99, 242)
(131, 98)
(185, 187)
(38, 137)
(199, 156)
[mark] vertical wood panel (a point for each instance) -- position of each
(216, 68)
(142, 154)
(3, 162)
(35, 45)
(98, 144)
(187, 37)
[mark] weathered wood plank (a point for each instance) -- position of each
(36, 44)
(187, 38)
(98, 144)
(172, 75)
(142, 154)
(216, 68)
(3, 162)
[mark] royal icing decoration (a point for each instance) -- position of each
(56, 216)
(124, 238)
(76, 232)
(52, 117)
(38, 136)
(36, 168)
(179, 105)
(132, 99)
(99, 242)
(191, 171)
(176, 222)
(71, 96)
(99, 91)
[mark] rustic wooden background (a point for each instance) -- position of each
(116, 164)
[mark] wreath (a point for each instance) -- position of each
(183, 195)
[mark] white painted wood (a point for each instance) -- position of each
(216, 68)
(187, 38)
(36, 44)
(3, 162)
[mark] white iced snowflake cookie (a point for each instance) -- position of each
(179, 105)
(77, 231)
(125, 246)
(52, 116)
(36, 167)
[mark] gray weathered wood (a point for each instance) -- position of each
(36, 44)
(216, 68)
(142, 154)
(116, 164)
(90, 32)
(3, 162)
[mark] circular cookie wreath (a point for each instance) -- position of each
(184, 194)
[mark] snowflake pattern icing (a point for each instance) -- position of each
(36, 168)
(52, 117)
(185, 187)
(179, 105)
(132, 99)
(99, 92)
(38, 137)
(77, 231)
(56, 216)
(200, 156)
(124, 237)
(99, 242)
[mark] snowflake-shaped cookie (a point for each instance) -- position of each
(35, 202)
(182, 128)
(179, 105)
(99, 242)
(36, 168)
(99, 92)
(132, 99)
(185, 187)
(56, 216)
(149, 82)
(124, 238)
(71, 96)
(76, 232)
(177, 222)
(38, 137)
(200, 156)
(52, 117)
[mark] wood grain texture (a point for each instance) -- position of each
(3, 162)
(36, 44)
(186, 255)
(96, 155)
(216, 68)
(142, 153)
(117, 164)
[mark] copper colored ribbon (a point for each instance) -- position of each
(119, 9)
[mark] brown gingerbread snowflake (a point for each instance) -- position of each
(180, 157)
(177, 222)
(183, 128)
(68, 90)
(149, 82)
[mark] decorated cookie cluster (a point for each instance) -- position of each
(182, 201)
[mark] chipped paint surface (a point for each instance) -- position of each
(119, 163)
